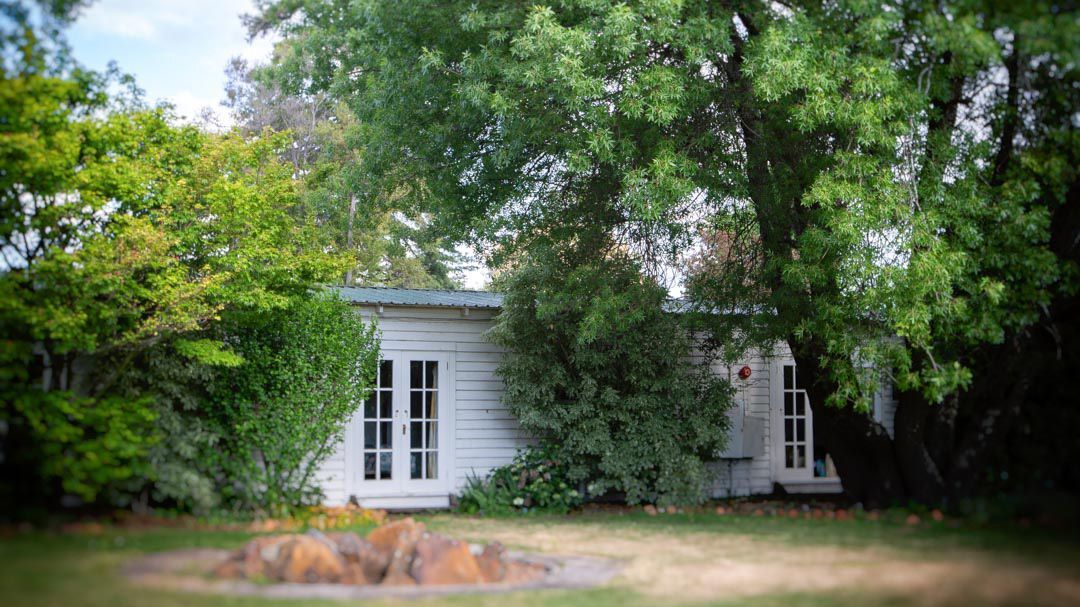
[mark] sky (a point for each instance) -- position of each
(176, 49)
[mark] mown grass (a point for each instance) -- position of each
(42, 569)
(1052, 546)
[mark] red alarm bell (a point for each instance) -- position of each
(744, 373)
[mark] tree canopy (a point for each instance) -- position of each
(125, 239)
(900, 170)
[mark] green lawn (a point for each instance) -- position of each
(688, 559)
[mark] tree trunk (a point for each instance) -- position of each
(349, 237)
(922, 477)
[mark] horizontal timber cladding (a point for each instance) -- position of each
(486, 435)
(739, 477)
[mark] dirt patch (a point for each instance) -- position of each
(697, 567)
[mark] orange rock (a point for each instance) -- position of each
(398, 535)
(440, 560)
(362, 553)
(397, 542)
(912, 519)
(721, 510)
(355, 575)
(398, 578)
(492, 563)
(251, 561)
(650, 510)
(937, 515)
(841, 514)
(305, 559)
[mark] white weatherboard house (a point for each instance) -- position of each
(436, 416)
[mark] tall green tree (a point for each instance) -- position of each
(119, 233)
(902, 175)
(372, 217)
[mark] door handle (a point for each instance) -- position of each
(403, 429)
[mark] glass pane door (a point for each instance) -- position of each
(402, 428)
(378, 427)
(423, 419)
(796, 423)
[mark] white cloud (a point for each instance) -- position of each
(127, 26)
(176, 49)
(189, 105)
(137, 19)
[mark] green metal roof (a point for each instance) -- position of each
(393, 296)
(459, 298)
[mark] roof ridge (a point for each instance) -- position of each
(381, 288)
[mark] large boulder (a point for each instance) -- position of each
(397, 541)
(306, 559)
(396, 536)
(492, 562)
(398, 577)
(252, 560)
(362, 558)
(440, 560)
(355, 575)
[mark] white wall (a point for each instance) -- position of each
(739, 477)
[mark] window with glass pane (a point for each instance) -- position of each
(795, 420)
(423, 419)
(379, 425)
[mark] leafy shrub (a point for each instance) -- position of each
(281, 412)
(596, 364)
(536, 481)
(248, 410)
(184, 470)
(486, 496)
(94, 446)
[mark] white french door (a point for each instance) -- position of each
(793, 442)
(398, 438)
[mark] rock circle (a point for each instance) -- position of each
(402, 553)
(401, 558)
